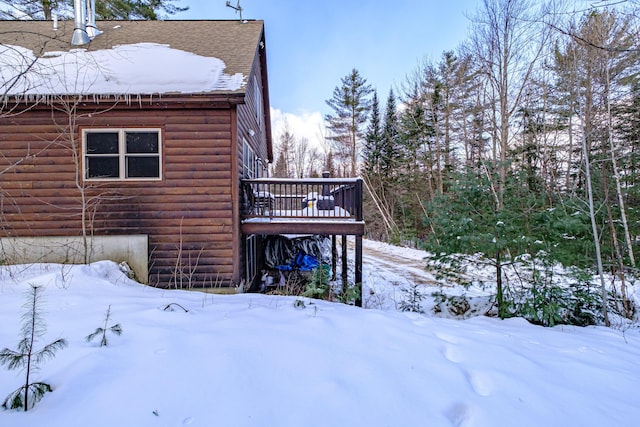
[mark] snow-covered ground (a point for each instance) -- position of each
(258, 360)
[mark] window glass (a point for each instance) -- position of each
(103, 167)
(142, 142)
(258, 99)
(143, 167)
(248, 160)
(102, 143)
(122, 154)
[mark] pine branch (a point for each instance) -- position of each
(14, 400)
(49, 351)
(116, 329)
(12, 359)
(35, 391)
(588, 43)
(38, 390)
(91, 336)
(24, 346)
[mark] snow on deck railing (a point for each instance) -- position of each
(312, 198)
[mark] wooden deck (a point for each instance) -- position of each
(328, 206)
(324, 206)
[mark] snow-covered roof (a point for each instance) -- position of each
(129, 57)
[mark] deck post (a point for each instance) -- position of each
(358, 260)
(345, 271)
(359, 214)
(358, 272)
(334, 257)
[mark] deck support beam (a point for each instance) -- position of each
(358, 272)
(345, 267)
(334, 257)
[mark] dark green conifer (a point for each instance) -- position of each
(27, 357)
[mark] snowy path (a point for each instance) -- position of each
(390, 271)
(406, 266)
(387, 270)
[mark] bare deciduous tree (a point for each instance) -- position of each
(508, 40)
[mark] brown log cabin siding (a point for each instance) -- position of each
(247, 121)
(189, 209)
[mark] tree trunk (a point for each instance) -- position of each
(502, 310)
(616, 173)
(594, 228)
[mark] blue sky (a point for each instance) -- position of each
(312, 44)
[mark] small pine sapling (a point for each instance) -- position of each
(349, 293)
(26, 357)
(412, 301)
(318, 287)
(116, 329)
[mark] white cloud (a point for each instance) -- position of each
(307, 125)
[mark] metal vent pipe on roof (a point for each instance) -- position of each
(80, 35)
(92, 30)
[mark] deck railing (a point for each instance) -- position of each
(312, 198)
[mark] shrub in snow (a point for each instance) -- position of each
(349, 293)
(459, 305)
(578, 303)
(412, 300)
(455, 305)
(318, 286)
(27, 358)
(535, 287)
(115, 329)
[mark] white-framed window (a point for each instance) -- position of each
(261, 168)
(248, 160)
(251, 259)
(122, 154)
(257, 95)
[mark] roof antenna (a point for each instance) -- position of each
(237, 7)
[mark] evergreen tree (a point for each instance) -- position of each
(27, 357)
(372, 149)
(448, 73)
(466, 220)
(413, 161)
(329, 166)
(350, 104)
(280, 167)
(593, 67)
(399, 173)
(286, 158)
(105, 9)
(375, 200)
(137, 9)
(627, 126)
(389, 151)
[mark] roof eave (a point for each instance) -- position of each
(265, 95)
(132, 101)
